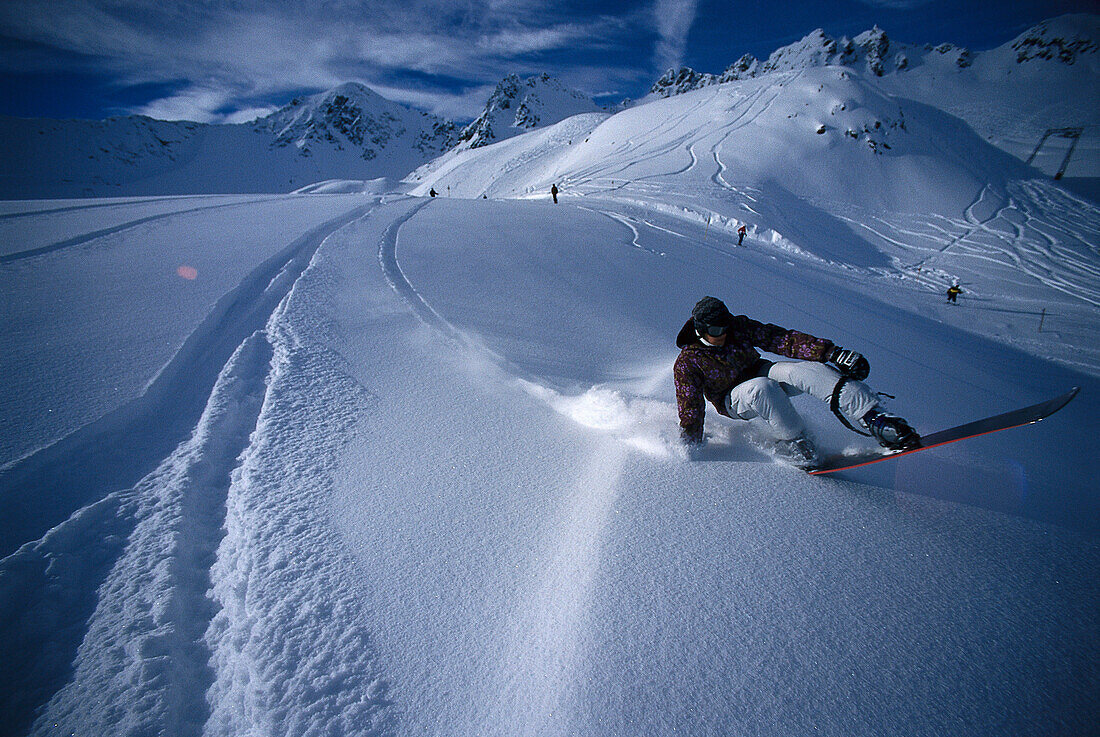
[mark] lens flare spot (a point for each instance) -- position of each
(187, 272)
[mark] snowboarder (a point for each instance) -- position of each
(554, 192)
(718, 362)
(953, 293)
(740, 235)
(432, 192)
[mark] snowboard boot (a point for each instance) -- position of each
(798, 452)
(890, 431)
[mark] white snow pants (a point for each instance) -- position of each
(768, 396)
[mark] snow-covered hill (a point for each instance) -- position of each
(518, 106)
(823, 133)
(1046, 78)
(823, 166)
(347, 133)
(1030, 91)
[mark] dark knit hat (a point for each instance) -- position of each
(710, 311)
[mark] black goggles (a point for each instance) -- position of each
(714, 331)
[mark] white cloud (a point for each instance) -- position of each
(197, 104)
(247, 115)
(673, 19)
(522, 41)
(453, 106)
(433, 54)
(68, 25)
(418, 52)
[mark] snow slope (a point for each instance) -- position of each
(352, 462)
(886, 196)
(431, 485)
(1012, 95)
(1045, 78)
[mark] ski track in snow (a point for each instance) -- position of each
(178, 566)
(548, 630)
(116, 450)
(636, 421)
(86, 206)
(1041, 256)
(172, 560)
(549, 626)
(1031, 238)
(87, 237)
(391, 269)
(153, 603)
(282, 578)
(114, 544)
(633, 229)
(735, 124)
(215, 596)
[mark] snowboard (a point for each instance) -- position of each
(1015, 418)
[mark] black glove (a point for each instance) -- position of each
(849, 363)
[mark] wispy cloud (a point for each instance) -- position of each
(461, 105)
(516, 41)
(673, 19)
(193, 103)
(226, 58)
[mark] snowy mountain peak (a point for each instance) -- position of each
(679, 81)
(871, 52)
(517, 106)
(1064, 39)
(356, 116)
(347, 133)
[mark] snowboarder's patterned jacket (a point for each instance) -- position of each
(709, 373)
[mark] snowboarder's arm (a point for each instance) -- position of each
(789, 343)
(690, 402)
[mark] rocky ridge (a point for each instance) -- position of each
(1064, 40)
(517, 106)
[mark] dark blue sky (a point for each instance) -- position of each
(229, 60)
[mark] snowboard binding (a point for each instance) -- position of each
(890, 431)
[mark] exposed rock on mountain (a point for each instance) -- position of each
(354, 117)
(517, 106)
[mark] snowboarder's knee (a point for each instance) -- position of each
(748, 398)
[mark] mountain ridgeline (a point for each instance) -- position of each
(349, 132)
(1064, 41)
(1036, 97)
(870, 51)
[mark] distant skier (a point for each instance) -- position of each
(718, 362)
(554, 192)
(953, 293)
(432, 192)
(740, 235)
